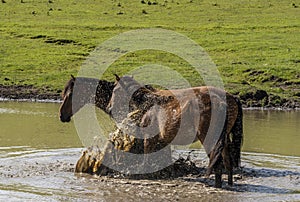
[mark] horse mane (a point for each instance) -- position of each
(144, 98)
(69, 86)
(103, 93)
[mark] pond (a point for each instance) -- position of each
(38, 153)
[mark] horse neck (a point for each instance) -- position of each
(103, 94)
(143, 99)
(94, 91)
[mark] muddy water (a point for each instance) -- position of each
(37, 156)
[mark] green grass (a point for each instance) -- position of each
(242, 37)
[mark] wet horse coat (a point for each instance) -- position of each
(182, 116)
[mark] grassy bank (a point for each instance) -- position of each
(255, 44)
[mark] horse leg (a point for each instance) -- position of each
(230, 177)
(149, 146)
(218, 176)
(227, 160)
(216, 161)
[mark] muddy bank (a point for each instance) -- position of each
(255, 99)
(261, 98)
(27, 92)
(48, 175)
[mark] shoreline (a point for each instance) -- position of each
(60, 101)
(29, 93)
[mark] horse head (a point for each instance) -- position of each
(65, 110)
(118, 106)
(80, 91)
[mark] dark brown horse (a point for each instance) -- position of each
(80, 91)
(183, 116)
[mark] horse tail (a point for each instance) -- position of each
(217, 153)
(237, 136)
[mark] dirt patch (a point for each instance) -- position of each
(60, 41)
(261, 98)
(52, 40)
(38, 37)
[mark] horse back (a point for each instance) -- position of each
(191, 110)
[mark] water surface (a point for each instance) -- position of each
(271, 131)
(37, 125)
(38, 153)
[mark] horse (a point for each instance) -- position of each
(183, 116)
(88, 91)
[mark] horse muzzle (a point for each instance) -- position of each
(64, 119)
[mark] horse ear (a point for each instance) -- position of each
(117, 77)
(73, 77)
